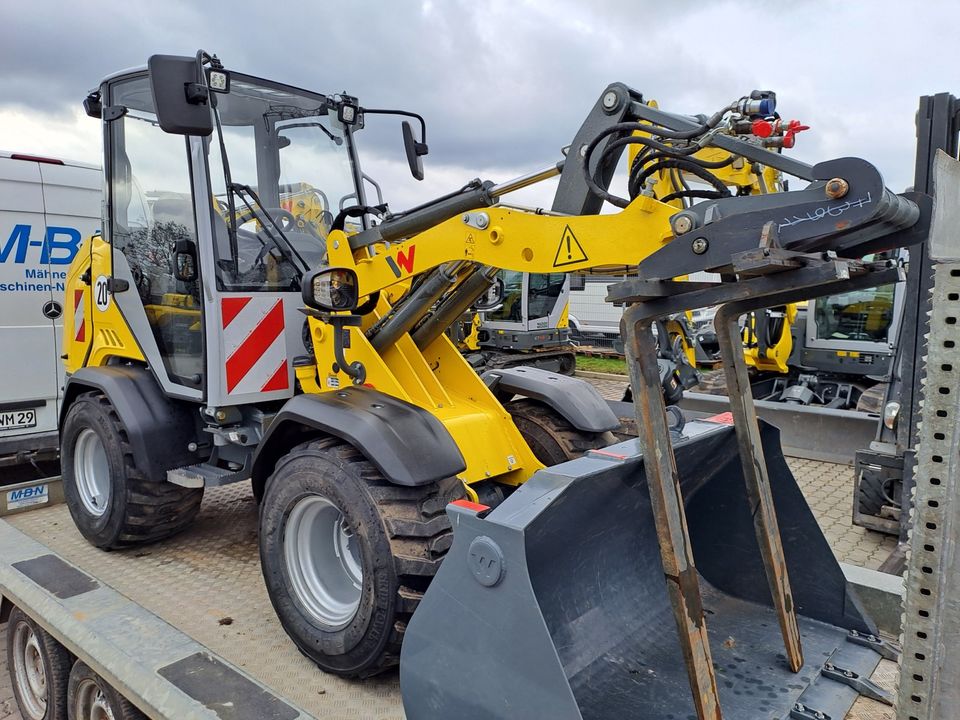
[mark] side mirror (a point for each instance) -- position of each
(331, 290)
(185, 261)
(179, 97)
(415, 151)
(493, 298)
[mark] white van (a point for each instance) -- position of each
(594, 321)
(47, 207)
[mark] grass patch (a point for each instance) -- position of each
(616, 366)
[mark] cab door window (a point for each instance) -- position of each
(153, 218)
(545, 289)
(511, 310)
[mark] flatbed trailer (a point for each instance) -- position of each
(191, 615)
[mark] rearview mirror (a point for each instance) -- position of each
(185, 261)
(492, 299)
(415, 150)
(179, 95)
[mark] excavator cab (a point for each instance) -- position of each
(247, 207)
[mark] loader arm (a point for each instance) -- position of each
(444, 253)
(640, 236)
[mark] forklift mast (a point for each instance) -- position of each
(890, 460)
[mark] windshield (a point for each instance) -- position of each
(856, 315)
(864, 315)
(292, 171)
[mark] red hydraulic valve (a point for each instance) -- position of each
(769, 128)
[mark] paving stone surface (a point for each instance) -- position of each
(828, 488)
(219, 556)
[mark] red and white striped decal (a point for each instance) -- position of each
(79, 324)
(253, 344)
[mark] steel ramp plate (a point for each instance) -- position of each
(161, 670)
(206, 582)
(563, 585)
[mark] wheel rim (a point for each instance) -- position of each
(323, 561)
(90, 702)
(29, 673)
(92, 472)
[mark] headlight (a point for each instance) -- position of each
(891, 412)
(331, 289)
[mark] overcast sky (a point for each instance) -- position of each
(504, 84)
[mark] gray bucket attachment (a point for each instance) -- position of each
(554, 604)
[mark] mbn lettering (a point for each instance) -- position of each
(58, 247)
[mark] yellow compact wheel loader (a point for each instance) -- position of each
(247, 314)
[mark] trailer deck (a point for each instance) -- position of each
(206, 582)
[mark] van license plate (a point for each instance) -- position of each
(18, 419)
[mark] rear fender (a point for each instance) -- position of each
(152, 420)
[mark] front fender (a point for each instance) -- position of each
(405, 442)
(575, 399)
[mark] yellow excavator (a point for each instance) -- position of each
(222, 337)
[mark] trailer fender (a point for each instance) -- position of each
(151, 419)
(405, 442)
(575, 399)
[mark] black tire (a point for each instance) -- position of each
(138, 510)
(402, 534)
(56, 669)
(874, 492)
(550, 436)
(86, 687)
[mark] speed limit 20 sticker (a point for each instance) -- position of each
(101, 293)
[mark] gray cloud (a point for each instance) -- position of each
(504, 84)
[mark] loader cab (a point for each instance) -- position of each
(210, 234)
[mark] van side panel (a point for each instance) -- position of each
(72, 198)
(45, 209)
(28, 362)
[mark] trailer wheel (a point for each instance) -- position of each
(550, 436)
(346, 555)
(111, 501)
(38, 666)
(91, 698)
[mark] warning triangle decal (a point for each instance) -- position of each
(569, 251)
